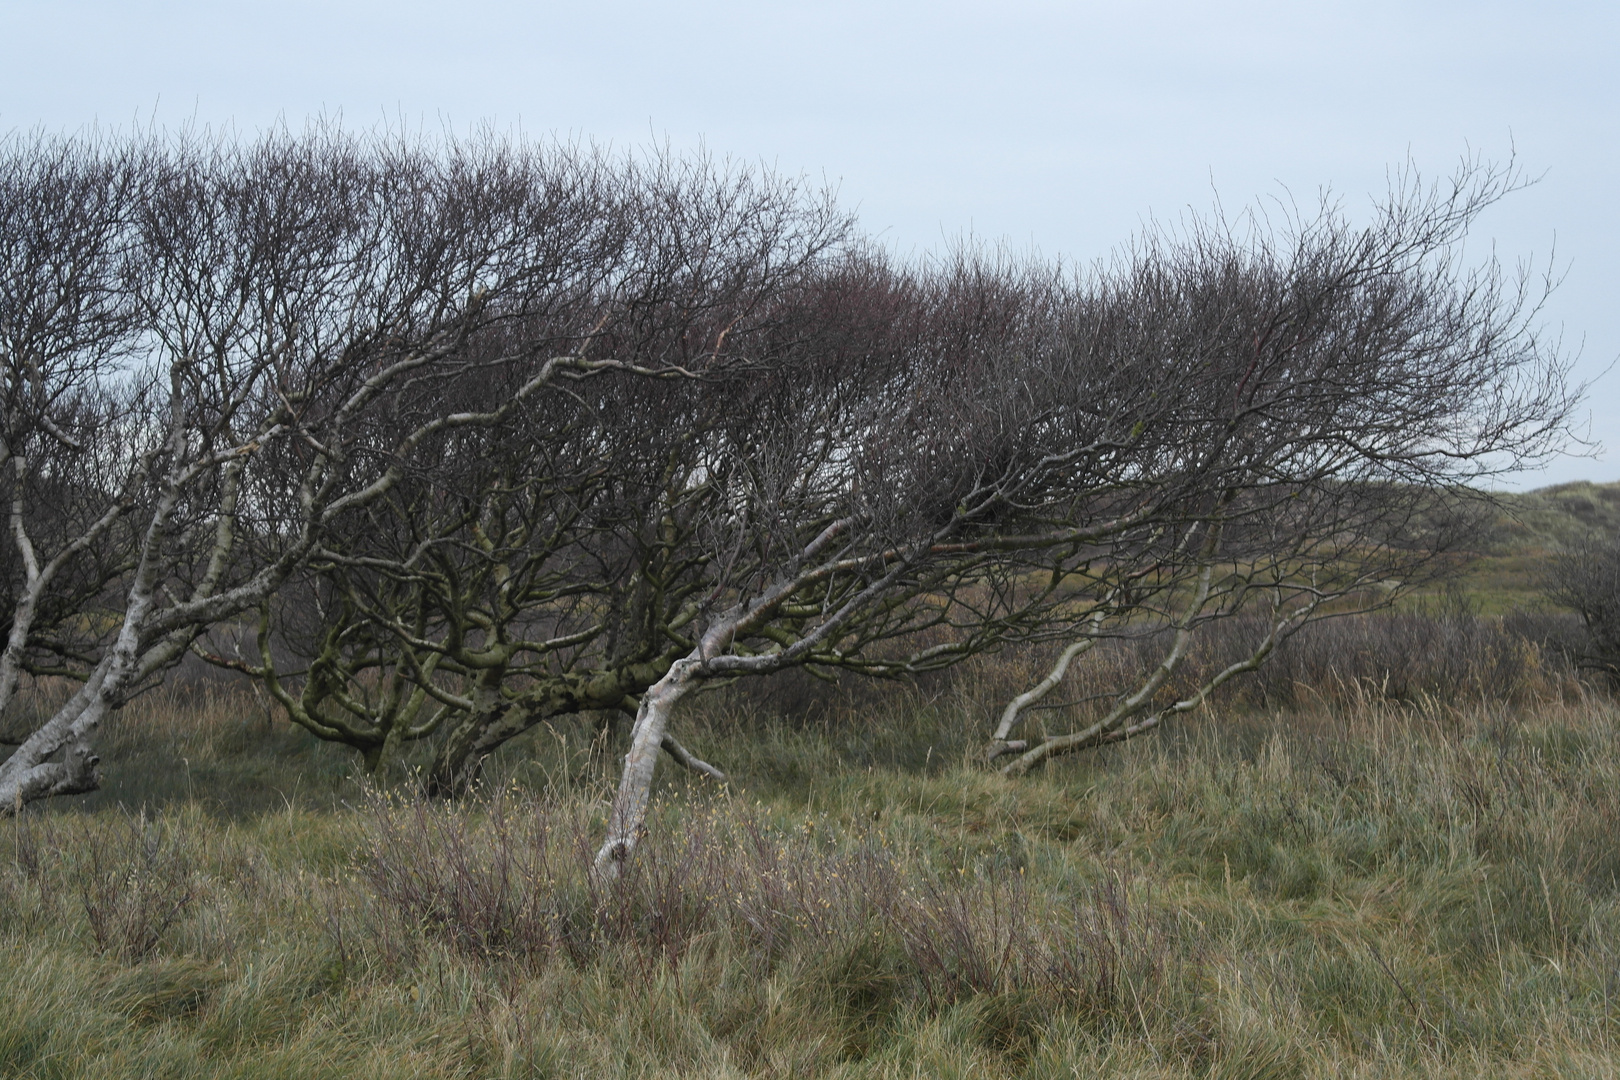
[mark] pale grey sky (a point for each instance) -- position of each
(1056, 125)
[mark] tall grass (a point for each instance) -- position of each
(1347, 884)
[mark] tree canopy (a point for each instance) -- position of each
(440, 441)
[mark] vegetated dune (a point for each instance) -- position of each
(1557, 513)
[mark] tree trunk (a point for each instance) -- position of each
(29, 774)
(494, 720)
(1000, 743)
(628, 820)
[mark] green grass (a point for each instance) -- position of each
(1373, 889)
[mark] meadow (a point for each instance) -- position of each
(1407, 875)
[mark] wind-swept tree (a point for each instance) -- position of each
(218, 353)
(898, 467)
(546, 565)
(482, 434)
(1222, 421)
(1365, 382)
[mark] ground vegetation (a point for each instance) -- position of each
(1401, 877)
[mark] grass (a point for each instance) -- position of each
(1340, 885)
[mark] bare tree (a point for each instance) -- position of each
(901, 467)
(266, 338)
(1223, 419)
(486, 433)
(73, 453)
(1371, 381)
(544, 565)
(580, 555)
(1584, 575)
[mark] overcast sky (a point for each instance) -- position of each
(1062, 126)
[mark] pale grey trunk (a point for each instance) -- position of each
(999, 742)
(627, 823)
(1135, 702)
(37, 578)
(629, 818)
(28, 774)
